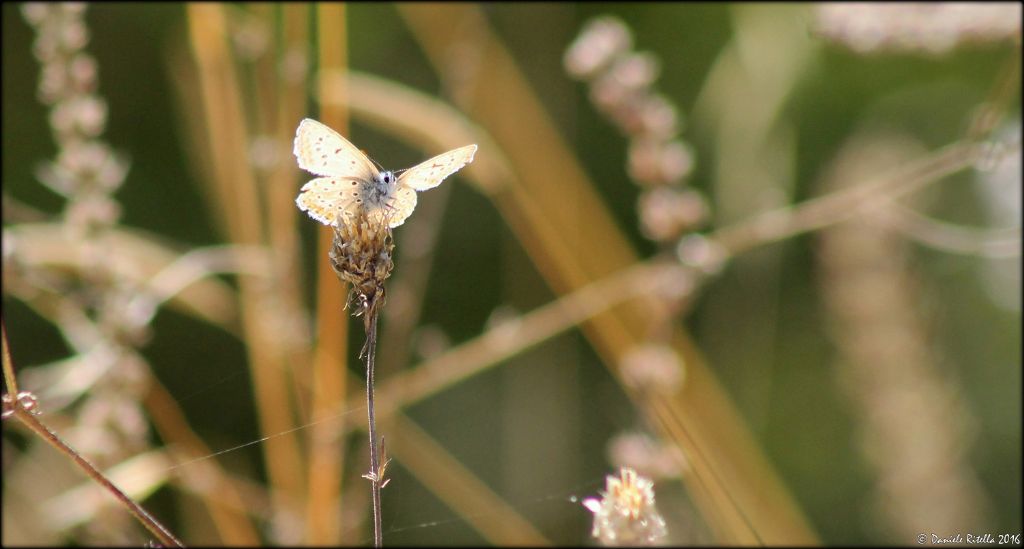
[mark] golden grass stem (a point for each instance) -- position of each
(573, 240)
(238, 203)
(330, 354)
(211, 484)
(516, 336)
(459, 488)
(435, 467)
(280, 95)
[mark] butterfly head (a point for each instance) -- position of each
(385, 184)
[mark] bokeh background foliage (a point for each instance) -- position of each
(535, 429)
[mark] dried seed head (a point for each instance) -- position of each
(626, 514)
(361, 255)
(598, 44)
(667, 212)
(700, 252)
(657, 117)
(635, 70)
(82, 115)
(653, 367)
(648, 455)
(84, 167)
(657, 162)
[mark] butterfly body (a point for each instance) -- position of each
(352, 187)
(383, 191)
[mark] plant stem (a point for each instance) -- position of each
(28, 418)
(162, 534)
(371, 351)
(9, 381)
(813, 214)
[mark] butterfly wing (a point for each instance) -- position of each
(327, 198)
(323, 151)
(349, 173)
(429, 174)
(351, 181)
(400, 206)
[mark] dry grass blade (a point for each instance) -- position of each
(330, 355)
(950, 238)
(429, 462)
(838, 206)
(278, 90)
(221, 498)
(138, 476)
(516, 336)
(24, 407)
(434, 124)
(458, 487)
(734, 485)
(161, 271)
(418, 118)
(238, 204)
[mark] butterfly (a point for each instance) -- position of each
(352, 185)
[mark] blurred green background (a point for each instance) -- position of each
(536, 427)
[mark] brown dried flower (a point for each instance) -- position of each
(362, 256)
(626, 514)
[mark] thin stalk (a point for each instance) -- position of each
(28, 418)
(9, 381)
(560, 241)
(375, 471)
(221, 107)
(361, 255)
(164, 535)
(839, 206)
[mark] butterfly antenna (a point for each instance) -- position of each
(379, 167)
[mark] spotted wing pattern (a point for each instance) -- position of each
(323, 151)
(350, 182)
(325, 198)
(348, 172)
(401, 206)
(429, 174)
